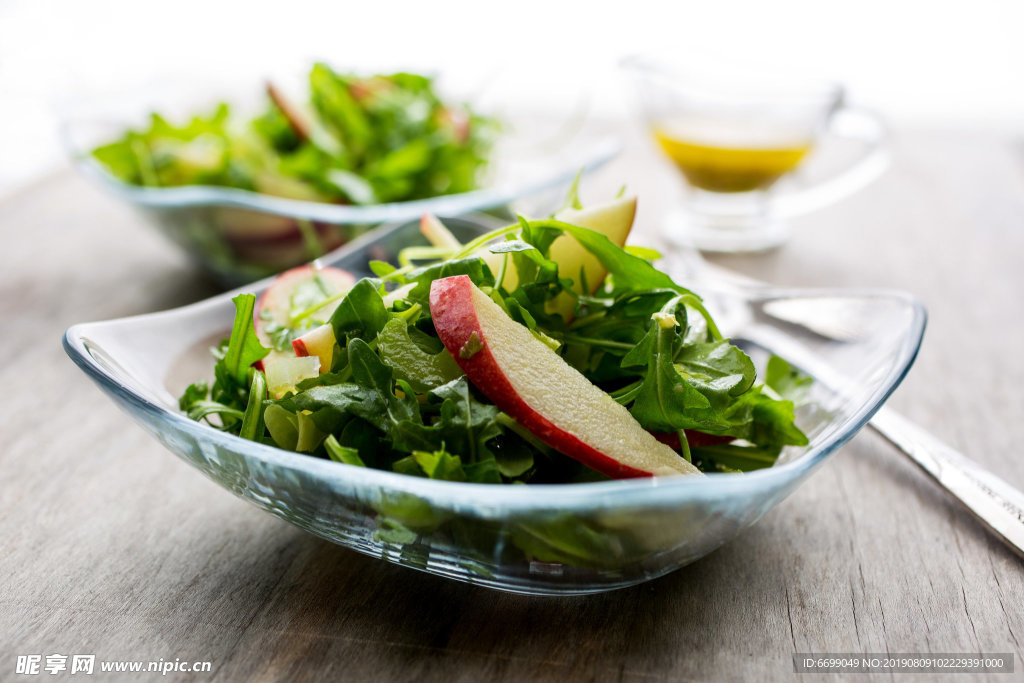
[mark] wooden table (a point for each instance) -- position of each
(113, 547)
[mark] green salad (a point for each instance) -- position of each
(509, 359)
(358, 140)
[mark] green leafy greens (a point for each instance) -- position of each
(396, 399)
(360, 140)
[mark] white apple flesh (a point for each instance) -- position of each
(543, 393)
(437, 233)
(317, 342)
(284, 373)
(613, 219)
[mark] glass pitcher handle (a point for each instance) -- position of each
(849, 123)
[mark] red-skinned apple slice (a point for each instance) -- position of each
(317, 342)
(542, 392)
(275, 306)
(291, 114)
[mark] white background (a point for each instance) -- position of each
(920, 63)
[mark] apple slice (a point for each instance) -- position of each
(438, 234)
(317, 342)
(612, 219)
(542, 392)
(284, 373)
(299, 288)
(295, 119)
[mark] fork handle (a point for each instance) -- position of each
(994, 502)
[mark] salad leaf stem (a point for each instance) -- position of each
(507, 421)
(398, 273)
(252, 420)
(314, 249)
(684, 445)
(344, 454)
(410, 313)
(501, 271)
(585, 320)
(410, 254)
(628, 393)
(471, 247)
(200, 409)
(591, 341)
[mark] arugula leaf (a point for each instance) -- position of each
(486, 471)
(773, 423)
(666, 401)
(466, 423)
(331, 406)
(229, 416)
(360, 435)
(718, 369)
(440, 465)
(513, 457)
(244, 347)
(361, 314)
(568, 539)
(196, 392)
(423, 371)
(369, 372)
(353, 186)
(381, 268)
(473, 266)
(510, 246)
(339, 453)
(787, 381)
(738, 458)
(628, 271)
(462, 425)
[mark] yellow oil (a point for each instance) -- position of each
(740, 167)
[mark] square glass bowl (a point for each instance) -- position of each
(539, 539)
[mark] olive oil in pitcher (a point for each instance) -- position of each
(730, 158)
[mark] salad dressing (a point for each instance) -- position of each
(722, 156)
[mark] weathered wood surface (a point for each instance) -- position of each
(113, 547)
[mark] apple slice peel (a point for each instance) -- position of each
(536, 387)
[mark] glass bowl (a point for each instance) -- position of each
(539, 539)
(239, 236)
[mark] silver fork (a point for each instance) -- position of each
(991, 500)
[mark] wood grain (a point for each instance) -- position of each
(113, 547)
